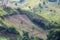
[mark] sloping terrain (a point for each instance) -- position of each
(34, 17)
(49, 10)
(22, 22)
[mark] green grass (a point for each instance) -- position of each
(2, 12)
(4, 38)
(7, 11)
(50, 16)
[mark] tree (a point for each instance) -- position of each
(25, 36)
(54, 34)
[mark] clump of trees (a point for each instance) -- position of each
(27, 37)
(54, 34)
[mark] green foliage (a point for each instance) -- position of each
(54, 34)
(4, 38)
(2, 12)
(26, 37)
(8, 11)
(35, 38)
(1, 23)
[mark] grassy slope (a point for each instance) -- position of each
(8, 12)
(2, 12)
(29, 4)
(46, 14)
(2, 22)
(50, 15)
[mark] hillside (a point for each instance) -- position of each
(21, 22)
(28, 20)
